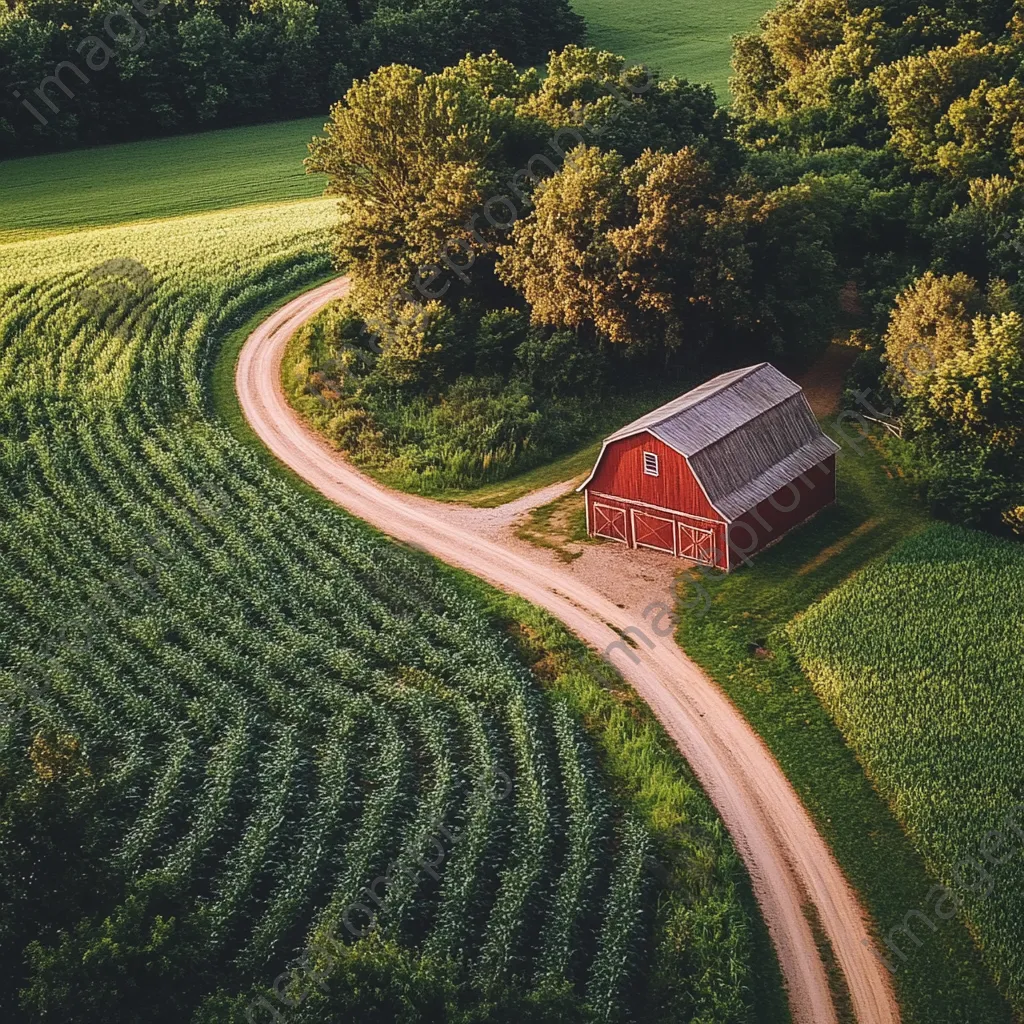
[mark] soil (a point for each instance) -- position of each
(823, 382)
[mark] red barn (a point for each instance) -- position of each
(717, 474)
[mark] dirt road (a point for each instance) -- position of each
(788, 861)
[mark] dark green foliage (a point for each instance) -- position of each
(122, 968)
(378, 982)
(634, 247)
(168, 66)
(460, 400)
(556, 365)
(909, 117)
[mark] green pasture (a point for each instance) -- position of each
(263, 163)
(157, 178)
(919, 659)
(740, 629)
(682, 37)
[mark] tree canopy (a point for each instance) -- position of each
(166, 66)
(916, 114)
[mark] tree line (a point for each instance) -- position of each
(77, 72)
(527, 249)
(868, 177)
(917, 114)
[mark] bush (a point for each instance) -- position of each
(456, 400)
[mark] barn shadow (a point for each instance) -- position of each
(874, 511)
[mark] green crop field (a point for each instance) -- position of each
(155, 179)
(920, 660)
(682, 37)
(228, 708)
(738, 628)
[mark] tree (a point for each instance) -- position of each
(929, 324)
(412, 157)
(561, 258)
(612, 248)
(377, 981)
(145, 962)
(984, 236)
(964, 396)
(979, 389)
(175, 65)
(776, 279)
(968, 424)
(953, 109)
(628, 109)
(805, 74)
(657, 255)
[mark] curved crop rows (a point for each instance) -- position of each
(235, 720)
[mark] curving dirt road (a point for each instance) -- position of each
(788, 861)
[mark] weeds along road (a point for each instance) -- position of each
(789, 863)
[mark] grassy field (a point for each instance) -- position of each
(262, 164)
(229, 708)
(683, 37)
(920, 660)
(157, 178)
(737, 626)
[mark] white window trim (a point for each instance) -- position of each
(657, 464)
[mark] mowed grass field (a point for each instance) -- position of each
(157, 178)
(920, 660)
(683, 37)
(262, 164)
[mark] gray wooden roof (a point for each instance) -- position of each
(746, 433)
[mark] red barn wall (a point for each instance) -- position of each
(621, 473)
(720, 529)
(786, 508)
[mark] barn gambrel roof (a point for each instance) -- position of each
(746, 433)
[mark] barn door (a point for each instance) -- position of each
(650, 531)
(696, 544)
(610, 522)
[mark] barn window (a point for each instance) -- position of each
(650, 464)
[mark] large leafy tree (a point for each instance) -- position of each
(629, 108)
(614, 249)
(433, 170)
(412, 157)
(561, 258)
(957, 359)
(660, 255)
(984, 236)
(930, 322)
(957, 110)
(937, 83)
